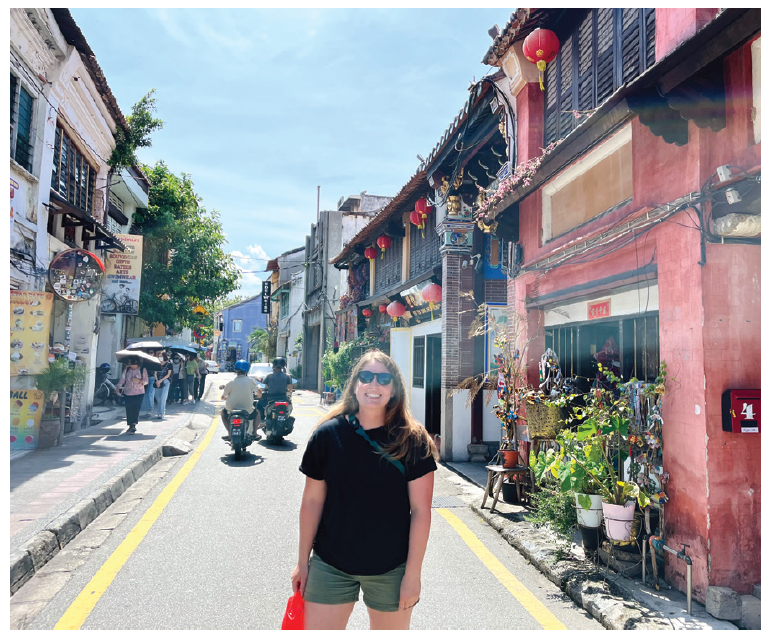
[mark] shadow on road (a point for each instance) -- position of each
(246, 461)
(285, 445)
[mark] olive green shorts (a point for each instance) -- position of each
(327, 585)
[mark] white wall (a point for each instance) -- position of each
(640, 299)
(461, 435)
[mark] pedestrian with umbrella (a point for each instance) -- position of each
(151, 348)
(133, 382)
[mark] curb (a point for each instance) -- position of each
(33, 554)
(613, 607)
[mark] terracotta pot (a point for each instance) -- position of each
(510, 458)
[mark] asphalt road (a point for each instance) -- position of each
(223, 540)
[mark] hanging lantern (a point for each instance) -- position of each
(367, 312)
(395, 310)
(370, 253)
(384, 242)
(423, 208)
(432, 293)
(541, 46)
(416, 220)
(383, 308)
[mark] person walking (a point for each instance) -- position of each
(132, 384)
(200, 386)
(148, 403)
(163, 384)
(191, 373)
(365, 511)
(178, 378)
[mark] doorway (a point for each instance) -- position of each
(310, 370)
(433, 384)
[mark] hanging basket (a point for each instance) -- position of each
(545, 422)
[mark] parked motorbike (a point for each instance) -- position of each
(277, 420)
(106, 391)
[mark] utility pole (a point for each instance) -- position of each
(322, 297)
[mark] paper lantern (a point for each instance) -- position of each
(541, 46)
(383, 308)
(395, 310)
(432, 293)
(367, 312)
(423, 209)
(370, 253)
(384, 242)
(416, 219)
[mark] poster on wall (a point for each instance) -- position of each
(497, 313)
(30, 323)
(122, 277)
(26, 409)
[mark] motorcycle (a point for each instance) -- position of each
(277, 420)
(242, 431)
(106, 391)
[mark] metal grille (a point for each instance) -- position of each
(419, 362)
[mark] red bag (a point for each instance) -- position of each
(294, 617)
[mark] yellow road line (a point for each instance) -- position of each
(78, 612)
(527, 599)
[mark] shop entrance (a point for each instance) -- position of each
(433, 384)
(636, 339)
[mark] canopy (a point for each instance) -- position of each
(182, 349)
(149, 345)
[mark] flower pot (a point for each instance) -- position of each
(49, 430)
(509, 458)
(509, 493)
(592, 516)
(618, 520)
(591, 537)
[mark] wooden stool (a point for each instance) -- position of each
(497, 474)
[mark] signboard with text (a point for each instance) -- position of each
(123, 276)
(597, 310)
(266, 291)
(26, 409)
(30, 323)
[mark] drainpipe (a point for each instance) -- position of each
(657, 543)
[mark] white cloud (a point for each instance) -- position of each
(250, 283)
(258, 251)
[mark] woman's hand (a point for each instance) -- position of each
(411, 587)
(299, 577)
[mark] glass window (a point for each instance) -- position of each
(237, 326)
(72, 177)
(22, 105)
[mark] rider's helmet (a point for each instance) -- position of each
(279, 362)
(242, 366)
(105, 366)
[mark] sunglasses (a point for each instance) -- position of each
(366, 377)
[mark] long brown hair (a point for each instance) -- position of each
(410, 435)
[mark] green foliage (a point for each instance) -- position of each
(299, 343)
(141, 125)
(552, 508)
(184, 260)
(296, 373)
(265, 341)
(337, 366)
(59, 375)
(224, 302)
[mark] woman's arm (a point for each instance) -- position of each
(420, 499)
(313, 498)
(121, 383)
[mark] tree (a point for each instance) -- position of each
(264, 340)
(184, 260)
(141, 125)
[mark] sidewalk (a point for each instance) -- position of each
(616, 602)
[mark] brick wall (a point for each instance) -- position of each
(450, 324)
(495, 291)
(467, 308)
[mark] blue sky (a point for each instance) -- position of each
(260, 106)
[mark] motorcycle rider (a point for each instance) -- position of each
(239, 395)
(278, 385)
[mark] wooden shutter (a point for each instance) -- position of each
(551, 104)
(566, 106)
(631, 45)
(424, 253)
(650, 36)
(585, 70)
(604, 62)
(388, 269)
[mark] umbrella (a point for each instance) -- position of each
(146, 345)
(147, 361)
(182, 349)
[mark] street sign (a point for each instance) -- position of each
(266, 291)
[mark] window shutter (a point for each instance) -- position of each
(551, 104)
(586, 92)
(605, 55)
(566, 106)
(424, 253)
(650, 22)
(388, 269)
(631, 45)
(23, 153)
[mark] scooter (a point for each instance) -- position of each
(106, 391)
(243, 427)
(277, 420)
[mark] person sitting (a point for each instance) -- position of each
(278, 385)
(239, 395)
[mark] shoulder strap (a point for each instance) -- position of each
(359, 430)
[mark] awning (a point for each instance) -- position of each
(92, 230)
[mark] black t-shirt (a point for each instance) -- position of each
(364, 527)
(277, 383)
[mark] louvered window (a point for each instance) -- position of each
(387, 272)
(418, 380)
(606, 49)
(424, 251)
(22, 106)
(72, 177)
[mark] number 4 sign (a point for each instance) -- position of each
(741, 411)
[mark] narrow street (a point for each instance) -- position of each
(223, 543)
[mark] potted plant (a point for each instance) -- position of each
(54, 382)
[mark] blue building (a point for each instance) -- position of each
(237, 323)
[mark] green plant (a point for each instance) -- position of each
(141, 125)
(57, 377)
(296, 373)
(264, 341)
(337, 366)
(554, 509)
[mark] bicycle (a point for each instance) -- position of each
(124, 304)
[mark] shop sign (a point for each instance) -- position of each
(596, 310)
(26, 409)
(418, 309)
(266, 292)
(123, 277)
(76, 275)
(30, 324)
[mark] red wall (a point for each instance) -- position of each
(674, 26)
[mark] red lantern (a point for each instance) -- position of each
(370, 253)
(367, 312)
(541, 46)
(395, 310)
(432, 293)
(384, 242)
(383, 308)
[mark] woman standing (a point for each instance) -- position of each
(163, 383)
(132, 384)
(365, 510)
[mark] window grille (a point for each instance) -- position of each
(22, 105)
(72, 177)
(387, 272)
(418, 380)
(424, 252)
(606, 49)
